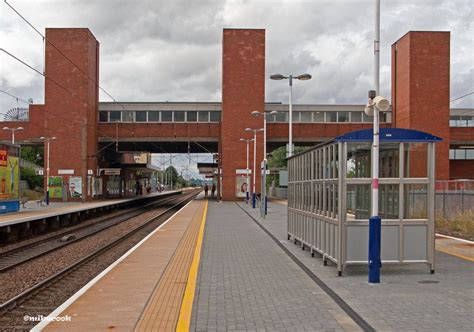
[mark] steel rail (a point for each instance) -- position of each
(100, 226)
(22, 297)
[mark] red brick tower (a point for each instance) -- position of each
(71, 101)
(243, 91)
(420, 88)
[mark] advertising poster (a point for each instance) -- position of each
(75, 187)
(9, 172)
(241, 186)
(55, 187)
(13, 171)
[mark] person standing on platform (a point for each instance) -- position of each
(213, 189)
(206, 189)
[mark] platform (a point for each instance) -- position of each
(58, 209)
(252, 278)
(408, 297)
(144, 289)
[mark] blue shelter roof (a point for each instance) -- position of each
(388, 135)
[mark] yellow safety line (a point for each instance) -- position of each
(449, 252)
(184, 319)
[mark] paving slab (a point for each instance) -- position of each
(408, 297)
(247, 282)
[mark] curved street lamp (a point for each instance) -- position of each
(47, 140)
(247, 169)
(302, 77)
(13, 132)
(254, 131)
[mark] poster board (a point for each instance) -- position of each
(241, 186)
(9, 172)
(55, 184)
(75, 187)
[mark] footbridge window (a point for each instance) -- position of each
(327, 117)
(160, 116)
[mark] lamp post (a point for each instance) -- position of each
(264, 188)
(247, 169)
(302, 77)
(375, 104)
(13, 132)
(47, 140)
(254, 196)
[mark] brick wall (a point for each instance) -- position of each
(73, 102)
(420, 89)
(243, 91)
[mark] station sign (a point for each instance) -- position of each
(110, 171)
(65, 171)
(243, 171)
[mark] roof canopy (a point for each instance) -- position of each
(388, 135)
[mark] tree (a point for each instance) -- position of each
(34, 181)
(278, 156)
(33, 154)
(172, 174)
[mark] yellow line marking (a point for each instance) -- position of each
(184, 319)
(449, 252)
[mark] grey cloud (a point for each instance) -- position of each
(171, 50)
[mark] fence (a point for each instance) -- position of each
(454, 197)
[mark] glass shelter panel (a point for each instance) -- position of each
(358, 160)
(358, 201)
(389, 156)
(416, 201)
(416, 160)
(388, 201)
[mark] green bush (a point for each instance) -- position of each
(34, 181)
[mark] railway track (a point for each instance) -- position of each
(32, 250)
(44, 297)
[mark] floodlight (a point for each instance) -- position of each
(277, 77)
(381, 103)
(304, 77)
(369, 110)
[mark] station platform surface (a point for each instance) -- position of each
(144, 290)
(408, 297)
(252, 278)
(33, 212)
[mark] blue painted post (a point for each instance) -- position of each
(266, 205)
(254, 200)
(247, 197)
(47, 197)
(375, 229)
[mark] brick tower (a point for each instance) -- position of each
(243, 91)
(71, 102)
(420, 88)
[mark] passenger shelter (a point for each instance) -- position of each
(329, 197)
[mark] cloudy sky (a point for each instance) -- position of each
(171, 50)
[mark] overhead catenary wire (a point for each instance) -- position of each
(14, 97)
(62, 87)
(94, 81)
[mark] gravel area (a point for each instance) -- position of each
(68, 229)
(46, 300)
(24, 276)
